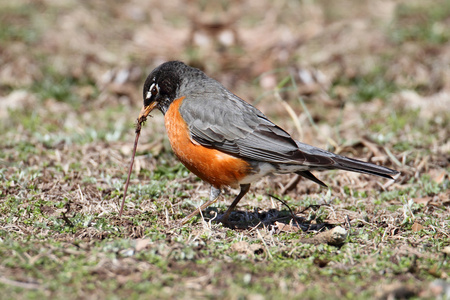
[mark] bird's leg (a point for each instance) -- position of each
(244, 190)
(213, 196)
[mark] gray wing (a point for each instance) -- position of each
(229, 124)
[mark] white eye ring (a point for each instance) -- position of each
(152, 91)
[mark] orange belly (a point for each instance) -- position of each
(213, 166)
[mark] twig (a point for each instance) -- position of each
(24, 285)
(64, 216)
(139, 123)
(265, 245)
(291, 184)
(392, 157)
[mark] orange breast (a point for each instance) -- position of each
(213, 166)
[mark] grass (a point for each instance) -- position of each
(423, 22)
(65, 149)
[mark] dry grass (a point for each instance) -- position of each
(367, 79)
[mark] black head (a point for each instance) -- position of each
(170, 81)
(161, 86)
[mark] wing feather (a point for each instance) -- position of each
(230, 124)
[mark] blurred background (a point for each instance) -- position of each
(96, 54)
(73, 59)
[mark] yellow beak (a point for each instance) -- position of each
(146, 110)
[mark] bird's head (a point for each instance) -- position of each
(161, 87)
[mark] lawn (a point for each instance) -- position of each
(365, 79)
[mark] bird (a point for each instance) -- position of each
(228, 142)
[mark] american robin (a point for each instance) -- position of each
(228, 142)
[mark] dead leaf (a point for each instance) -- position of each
(287, 227)
(321, 263)
(416, 227)
(435, 271)
(241, 246)
(141, 244)
(247, 248)
(438, 176)
(446, 250)
(423, 200)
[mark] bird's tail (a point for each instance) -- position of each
(318, 159)
(350, 164)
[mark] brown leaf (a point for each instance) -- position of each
(246, 248)
(416, 227)
(240, 247)
(446, 250)
(438, 176)
(321, 263)
(141, 244)
(423, 200)
(287, 227)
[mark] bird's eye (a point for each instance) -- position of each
(154, 90)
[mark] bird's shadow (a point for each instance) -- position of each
(247, 220)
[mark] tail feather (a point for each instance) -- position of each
(318, 159)
(350, 164)
(310, 176)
